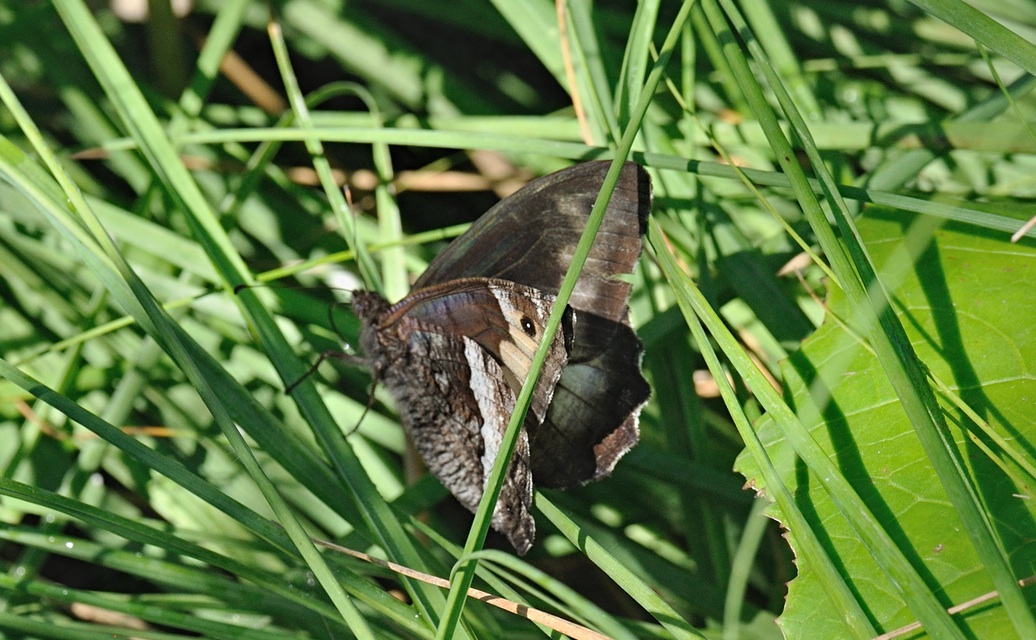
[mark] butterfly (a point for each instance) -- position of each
(455, 352)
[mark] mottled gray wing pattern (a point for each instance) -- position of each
(454, 357)
(456, 408)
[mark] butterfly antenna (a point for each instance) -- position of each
(327, 355)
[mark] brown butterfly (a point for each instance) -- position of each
(455, 352)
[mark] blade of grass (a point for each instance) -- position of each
(465, 571)
(642, 593)
(635, 59)
(696, 312)
(984, 29)
(592, 86)
(973, 213)
(743, 560)
(368, 271)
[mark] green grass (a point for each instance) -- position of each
(879, 395)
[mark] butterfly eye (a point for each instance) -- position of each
(528, 327)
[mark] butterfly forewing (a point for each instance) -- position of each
(505, 319)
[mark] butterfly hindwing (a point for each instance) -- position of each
(530, 236)
(593, 417)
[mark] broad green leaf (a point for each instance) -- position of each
(967, 304)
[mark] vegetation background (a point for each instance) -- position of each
(157, 482)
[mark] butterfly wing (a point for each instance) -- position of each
(529, 238)
(453, 356)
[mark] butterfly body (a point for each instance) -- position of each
(455, 352)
